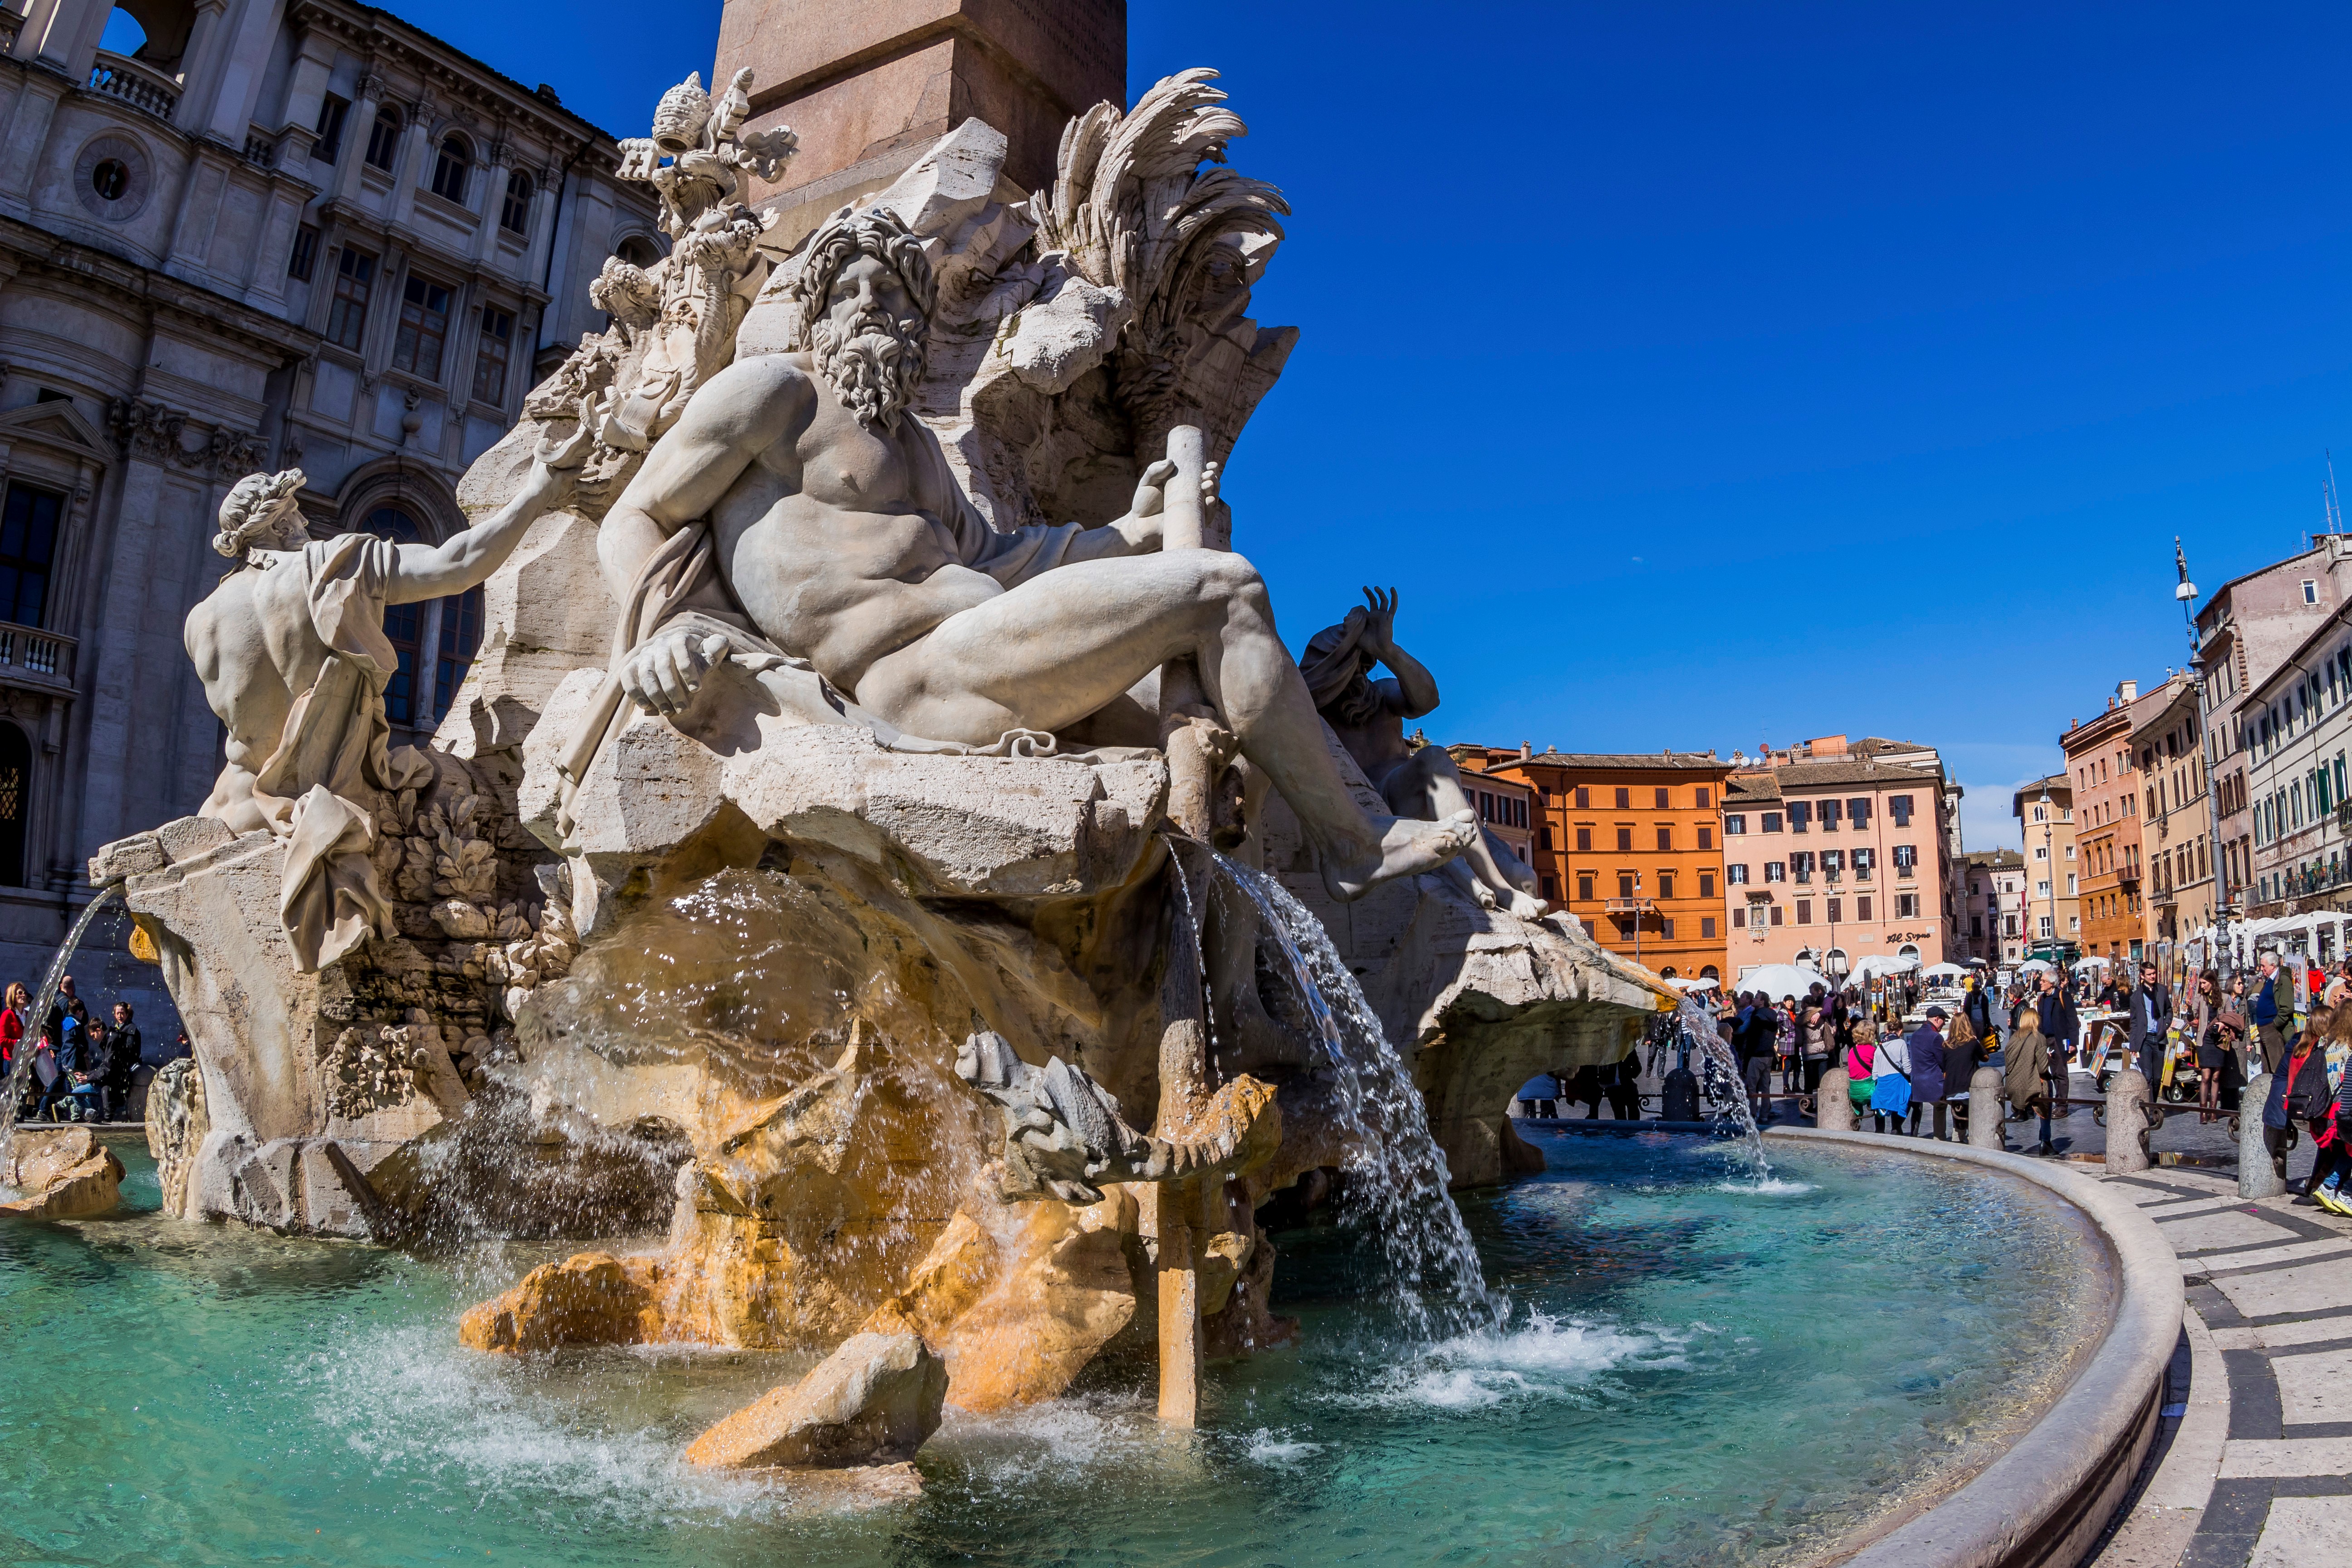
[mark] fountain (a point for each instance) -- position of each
(61, 1173)
(802, 1081)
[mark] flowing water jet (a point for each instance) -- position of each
(23, 1066)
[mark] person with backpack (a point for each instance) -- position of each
(2301, 1099)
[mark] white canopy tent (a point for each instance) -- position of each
(1778, 980)
(2034, 966)
(2083, 966)
(1881, 963)
(1939, 971)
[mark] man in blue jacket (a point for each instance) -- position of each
(2150, 1009)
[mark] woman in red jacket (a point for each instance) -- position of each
(12, 1024)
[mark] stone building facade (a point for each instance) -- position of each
(2109, 822)
(1996, 905)
(239, 235)
(2045, 809)
(2176, 828)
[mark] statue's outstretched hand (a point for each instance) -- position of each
(662, 674)
(1379, 619)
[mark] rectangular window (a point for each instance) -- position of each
(1831, 810)
(1739, 919)
(1863, 860)
(1665, 841)
(332, 112)
(28, 541)
(2041, 852)
(1584, 839)
(1907, 859)
(1584, 887)
(1584, 798)
(1666, 884)
(305, 258)
(1898, 806)
(1801, 815)
(1624, 884)
(1662, 800)
(1737, 876)
(1775, 871)
(1625, 800)
(1703, 802)
(423, 328)
(1858, 813)
(1862, 908)
(1624, 841)
(1975, 925)
(1706, 837)
(1801, 863)
(1706, 927)
(461, 638)
(1707, 884)
(1837, 910)
(1734, 824)
(1777, 912)
(1669, 933)
(347, 317)
(402, 623)
(490, 359)
(2042, 888)
(1907, 906)
(1771, 822)
(2041, 925)
(1551, 888)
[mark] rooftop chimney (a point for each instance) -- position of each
(2126, 690)
(1527, 750)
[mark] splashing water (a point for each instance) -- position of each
(1396, 1186)
(13, 1092)
(1731, 1114)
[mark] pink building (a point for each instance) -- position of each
(1833, 854)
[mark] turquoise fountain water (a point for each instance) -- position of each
(1696, 1373)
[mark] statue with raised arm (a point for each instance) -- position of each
(1369, 717)
(291, 651)
(799, 510)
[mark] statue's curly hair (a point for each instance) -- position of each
(245, 513)
(844, 236)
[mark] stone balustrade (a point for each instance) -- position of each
(141, 86)
(29, 651)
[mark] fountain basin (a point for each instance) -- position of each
(2047, 1498)
(1700, 1371)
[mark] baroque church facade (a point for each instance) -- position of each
(235, 236)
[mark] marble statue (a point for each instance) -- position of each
(1417, 782)
(836, 534)
(291, 651)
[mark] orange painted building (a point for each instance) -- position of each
(1632, 845)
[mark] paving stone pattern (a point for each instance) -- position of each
(2269, 1284)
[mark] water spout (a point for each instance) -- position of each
(1397, 1177)
(28, 1046)
(1731, 1115)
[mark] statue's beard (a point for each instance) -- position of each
(872, 368)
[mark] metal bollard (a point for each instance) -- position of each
(1833, 1103)
(1985, 1111)
(2127, 1121)
(2257, 1177)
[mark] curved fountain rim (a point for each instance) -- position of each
(2058, 1484)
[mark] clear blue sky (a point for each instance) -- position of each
(1711, 374)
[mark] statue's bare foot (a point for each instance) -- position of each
(1524, 908)
(1408, 847)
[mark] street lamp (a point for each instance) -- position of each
(2051, 861)
(2217, 917)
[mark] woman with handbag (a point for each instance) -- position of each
(2218, 1031)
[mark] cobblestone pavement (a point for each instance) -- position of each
(2255, 1467)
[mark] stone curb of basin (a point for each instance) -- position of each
(2045, 1502)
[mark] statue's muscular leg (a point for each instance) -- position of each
(1428, 785)
(1059, 647)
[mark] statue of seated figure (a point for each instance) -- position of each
(799, 507)
(1369, 718)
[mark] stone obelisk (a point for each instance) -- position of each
(869, 85)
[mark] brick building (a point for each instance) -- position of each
(2108, 821)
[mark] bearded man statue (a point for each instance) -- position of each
(799, 513)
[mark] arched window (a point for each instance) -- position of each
(1710, 972)
(459, 618)
(451, 166)
(16, 797)
(404, 624)
(638, 251)
(153, 32)
(384, 137)
(514, 213)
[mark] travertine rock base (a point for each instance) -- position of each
(62, 1173)
(875, 1400)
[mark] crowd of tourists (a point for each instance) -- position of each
(84, 1062)
(1911, 1079)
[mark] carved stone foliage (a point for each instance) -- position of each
(151, 430)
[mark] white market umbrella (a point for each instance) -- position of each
(1778, 980)
(2093, 962)
(1954, 970)
(1699, 983)
(2035, 966)
(1882, 963)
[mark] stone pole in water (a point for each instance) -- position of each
(1833, 1103)
(2128, 1120)
(1984, 1111)
(2258, 1175)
